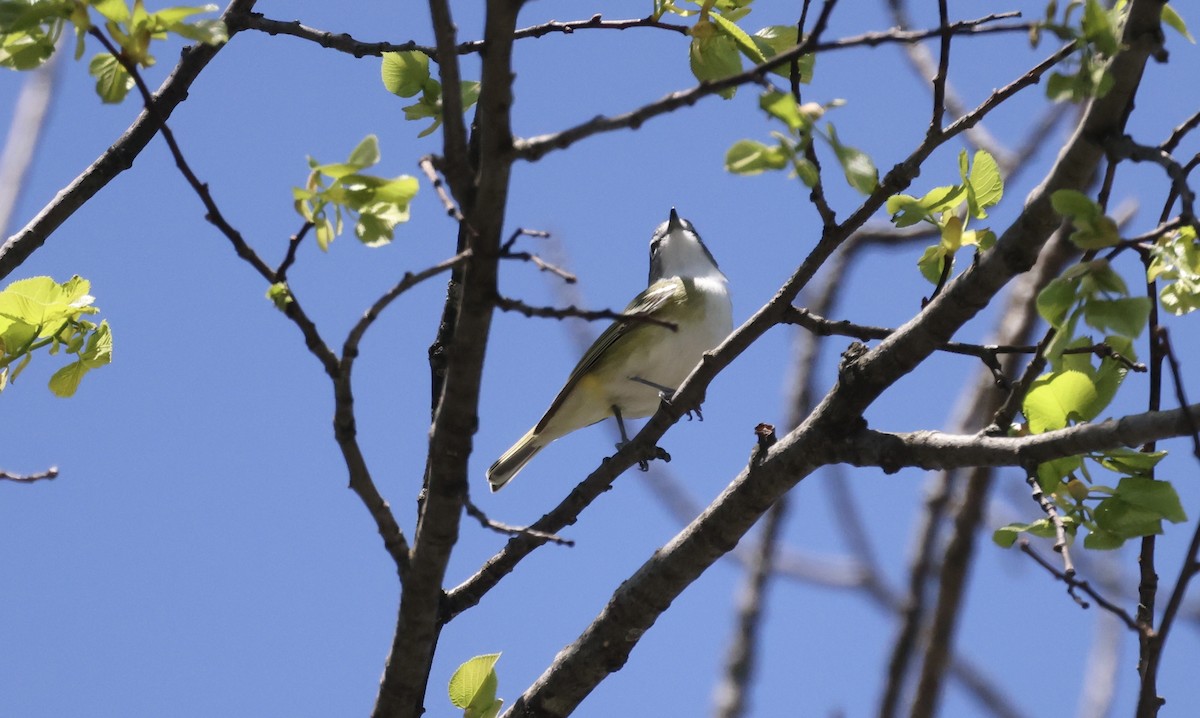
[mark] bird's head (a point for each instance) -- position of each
(676, 250)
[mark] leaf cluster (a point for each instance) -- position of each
(791, 148)
(1096, 32)
(943, 207)
(1076, 390)
(407, 74)
(1135, 507)
(1175, 261)
(39, 313)
(29, 30)
(375, 204)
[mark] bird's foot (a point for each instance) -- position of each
(644, 464)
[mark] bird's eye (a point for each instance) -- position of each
(654, 243)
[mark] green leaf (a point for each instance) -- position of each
(782, 106)
(984, 185)
(1119, 517)
(113, 81)
(1157, 497)
(114, 10)
(748, 157)
(1130, 462)
(404, 73)
(1098, 29)
(715, 57)
(1057, 398)
(1051, 473)
(777, 38)
(907, 210)
(739, 37)
(1006, 536)
(1100, 540)
(1073, 203)
(1108, 377)
(860, 170)
(1056, 299)
(473, 685)
(1172, 20)
(98, 352)
(932, 262)
(1126, 316)
(1176, 259)
(366, 154)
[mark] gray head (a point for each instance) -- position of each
(676, 250)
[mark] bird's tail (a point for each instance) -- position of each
(513, 460)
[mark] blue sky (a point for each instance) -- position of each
(200, 554)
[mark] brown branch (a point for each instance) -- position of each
(343, 42)
(1047, 506)
(591, 315)
(474, 512)
(118, 157)
(428, 166)
(535, 148)
(407, 282)
(48, 474)
(937, 450)
(1074, 584)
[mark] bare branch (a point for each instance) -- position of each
(407, 282)
(427, 165)
(343, 42)
(535, 148)
(591, 315)
(474, 512)
(48, 474)
(1073, 584)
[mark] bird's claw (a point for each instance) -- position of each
(644, 464)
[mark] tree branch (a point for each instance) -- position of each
(535, 148)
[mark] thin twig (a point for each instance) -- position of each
(343, 42)
(48, 474)
(542, 264)
(290, 257)
(535, 148)
(1051, 511)
(522, 232)
(474, 512)
(1075, 584)
(516, 305)
(943, 70)
(427, 165)
(407, 282)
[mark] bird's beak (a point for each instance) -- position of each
(673, 223)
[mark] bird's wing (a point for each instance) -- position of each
(651, 300)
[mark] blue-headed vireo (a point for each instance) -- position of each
(633, 363)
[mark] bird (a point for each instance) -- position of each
(636, 364)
